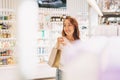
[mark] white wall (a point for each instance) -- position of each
(93, 18)
(77, 6)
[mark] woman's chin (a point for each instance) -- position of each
(68, 34)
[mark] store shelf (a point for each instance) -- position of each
(5, 30)
(43, 71)
(7, 33)
(10, 72)
(7, 10)
(5, 39)
(56, 22)
(12, 66)
(50, 27)
(8, 21)
(5, 56)
(111, 14)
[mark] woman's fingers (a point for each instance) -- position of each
(60, 39)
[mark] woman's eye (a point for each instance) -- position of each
(67, 25)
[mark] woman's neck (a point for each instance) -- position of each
(70, 38)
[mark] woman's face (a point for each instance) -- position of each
(68, 28)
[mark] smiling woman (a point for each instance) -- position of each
(70, 34)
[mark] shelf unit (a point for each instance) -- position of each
(50, 27)
(111, 12)
(7, 32)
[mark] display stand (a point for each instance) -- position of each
(7, 32)
(7, 39)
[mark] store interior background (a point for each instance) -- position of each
(35, 34)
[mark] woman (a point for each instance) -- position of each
(70, 33)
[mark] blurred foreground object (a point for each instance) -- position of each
(95, 59)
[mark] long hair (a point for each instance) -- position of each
(76, 33)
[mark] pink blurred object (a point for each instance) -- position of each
(111, 74)
(111, 69)
(95, 59)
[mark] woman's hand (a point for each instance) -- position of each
(60, 40)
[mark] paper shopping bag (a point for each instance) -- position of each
(54, 58)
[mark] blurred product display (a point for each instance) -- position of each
(7, 32)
